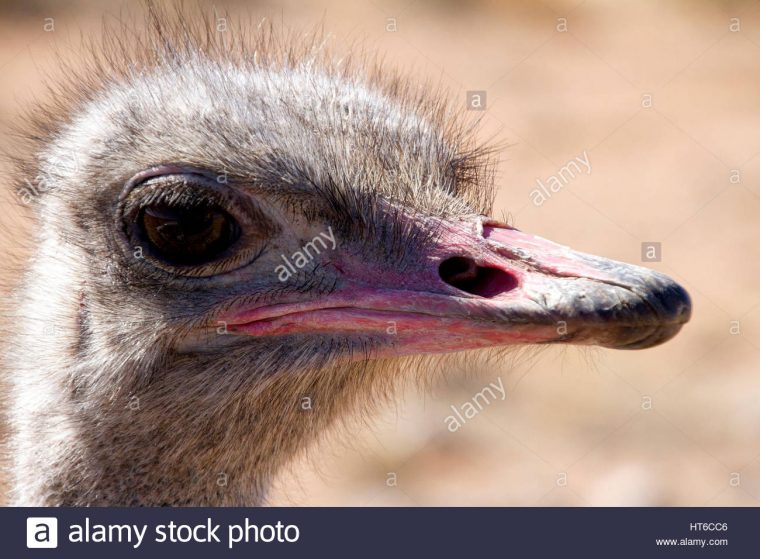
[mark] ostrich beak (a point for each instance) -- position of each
(486, 284)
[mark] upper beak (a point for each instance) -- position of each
(485, 284)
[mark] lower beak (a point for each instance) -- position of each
(486, 284)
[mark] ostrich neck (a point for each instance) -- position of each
(138, 452)
(104, 423)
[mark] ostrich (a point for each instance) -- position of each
(228, 228)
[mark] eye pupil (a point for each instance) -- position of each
(188, 236)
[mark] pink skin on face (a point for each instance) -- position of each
(524, 290)
(413, 322)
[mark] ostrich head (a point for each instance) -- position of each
(235, 244)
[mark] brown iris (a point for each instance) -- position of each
(188, 235)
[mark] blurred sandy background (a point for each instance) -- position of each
(664, 97)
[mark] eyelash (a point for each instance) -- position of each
(177, 195)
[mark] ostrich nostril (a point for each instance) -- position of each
(457, 270)
(464, 274)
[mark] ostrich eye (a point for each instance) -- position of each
(188, 235)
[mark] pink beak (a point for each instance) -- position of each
(484, 284)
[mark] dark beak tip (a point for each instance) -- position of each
(672, 306)
(682, 301)
(672, 301)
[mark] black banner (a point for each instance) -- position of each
(379, 532)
